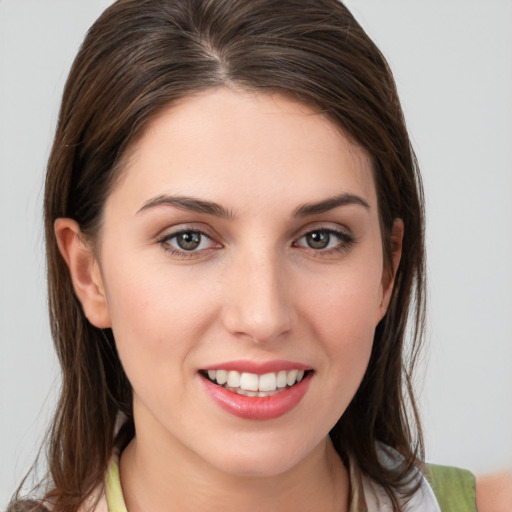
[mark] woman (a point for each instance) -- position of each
(235, 239)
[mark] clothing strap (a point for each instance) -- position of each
(454, 488)
(113, 491)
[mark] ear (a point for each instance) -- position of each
(84, 270)
(388, 278)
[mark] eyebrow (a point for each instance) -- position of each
(330, 204)
(189, 204)
(193, 204)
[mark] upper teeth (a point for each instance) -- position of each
(255, 382)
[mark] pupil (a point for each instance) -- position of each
(318, 239)
(189, 241)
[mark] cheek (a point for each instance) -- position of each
(343, 314)
(347, 330)
(157, 319)
(151, 298)
(346, 301)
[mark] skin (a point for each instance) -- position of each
(494, 492)
(255, 289)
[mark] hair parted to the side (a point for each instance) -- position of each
(142, 55)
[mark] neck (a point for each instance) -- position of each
(153, 479)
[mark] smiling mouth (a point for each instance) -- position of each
(254, 385)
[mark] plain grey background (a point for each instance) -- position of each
(452, 60)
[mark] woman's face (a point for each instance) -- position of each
(242, 242)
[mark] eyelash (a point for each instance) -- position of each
(345, 242)
(183, 253)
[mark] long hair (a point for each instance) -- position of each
(139, 57)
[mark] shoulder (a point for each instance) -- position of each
(494, 492)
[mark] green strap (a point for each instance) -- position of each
(454, 488)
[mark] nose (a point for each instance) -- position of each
(258, 305)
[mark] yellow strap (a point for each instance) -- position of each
(113, 489)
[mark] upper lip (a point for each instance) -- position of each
(258, 367)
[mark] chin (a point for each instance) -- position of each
(262, 458)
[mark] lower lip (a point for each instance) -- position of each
(258, 408)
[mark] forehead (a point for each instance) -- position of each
(239, 147)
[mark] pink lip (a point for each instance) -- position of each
(258, 408)
(259, 368)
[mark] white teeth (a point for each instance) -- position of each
(291, 377)
(252, 384)
(221, 377)
(281, 379)
(233, 379)
(249, 382)
(267, 382)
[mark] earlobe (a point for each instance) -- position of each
(84, 271)
(388, 280)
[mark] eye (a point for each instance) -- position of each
(325, 240)
(187, 241)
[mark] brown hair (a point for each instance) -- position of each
(137, 58)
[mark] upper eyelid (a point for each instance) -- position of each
(326, 228)
(334, 231)
(173, 231)
(169, 236)
(177, 232)
(322, 227)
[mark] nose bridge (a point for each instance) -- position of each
(259, 302)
